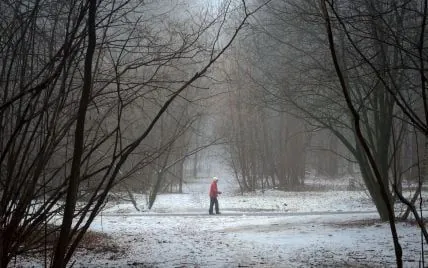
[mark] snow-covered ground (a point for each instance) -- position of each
(264, 229)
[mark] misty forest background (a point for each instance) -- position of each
(129, 96)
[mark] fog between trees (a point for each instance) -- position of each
(101, 97)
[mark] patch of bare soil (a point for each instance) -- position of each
(95, 242)
(373, 222)
(359, 223)
(99, 242)
(98, 245)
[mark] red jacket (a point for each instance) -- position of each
(213, 189)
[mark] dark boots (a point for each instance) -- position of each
(214, 203)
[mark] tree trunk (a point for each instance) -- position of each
(74, 178)
(156, 187)
(180, 175)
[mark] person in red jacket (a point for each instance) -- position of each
(214, 192)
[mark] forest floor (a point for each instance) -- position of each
(335, 228)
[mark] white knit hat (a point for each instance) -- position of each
(215, 179)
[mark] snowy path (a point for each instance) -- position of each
(244, 214)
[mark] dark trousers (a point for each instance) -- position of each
(214, 202)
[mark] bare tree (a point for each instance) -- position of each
(266, 148)
(290, 65)
(362, 139)
(69, 77)
(409, 47)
